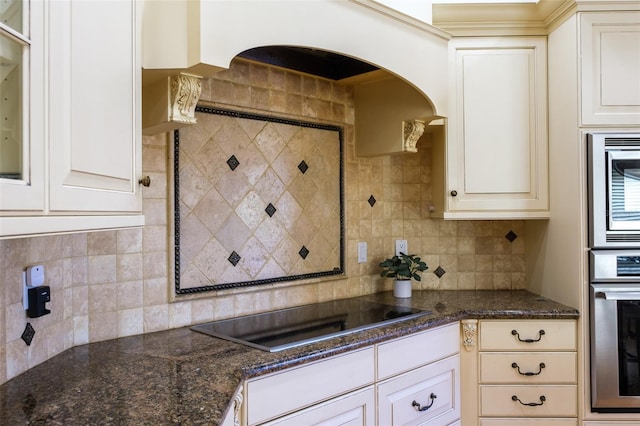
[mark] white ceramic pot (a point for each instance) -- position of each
(402, 288)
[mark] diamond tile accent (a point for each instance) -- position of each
(371, 200)
(270, 210)
(234, 258)
(233, 162)
(27, 334)
(303, 167)
(439, 272)
(511, 236)
(304, 252)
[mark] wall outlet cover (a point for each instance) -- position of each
(401, 247)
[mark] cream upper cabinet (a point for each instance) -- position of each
(83, 122)
(495, 154)
(610, 64)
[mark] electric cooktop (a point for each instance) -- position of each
(287, 328)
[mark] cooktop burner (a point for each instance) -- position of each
(287, 328)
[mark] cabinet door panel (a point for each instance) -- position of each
(95, 147)
(610, 63)
(497, 137)
(355, 409)
(434, 387)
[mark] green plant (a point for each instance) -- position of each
(403, 267)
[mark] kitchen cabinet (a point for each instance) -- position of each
(86, 149)
(390, 381)
(610, 64)
(490, 155)
(527, 373)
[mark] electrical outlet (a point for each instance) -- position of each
(362, 252)
(401, 247)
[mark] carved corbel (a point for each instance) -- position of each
(237, 405)
(185, 93)
(412, 131)
(469, 333)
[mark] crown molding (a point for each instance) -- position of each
(516, 19)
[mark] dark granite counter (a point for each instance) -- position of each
(184, 377)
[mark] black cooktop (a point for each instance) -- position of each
(287, 328)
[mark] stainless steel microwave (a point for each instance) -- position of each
(614, 189)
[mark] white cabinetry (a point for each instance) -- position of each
(90, 136)
(496, 137)
(610, 64)
(527, 372)
(407, 381)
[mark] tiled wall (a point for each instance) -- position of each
(115, 283)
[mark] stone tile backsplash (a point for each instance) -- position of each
(112, 284)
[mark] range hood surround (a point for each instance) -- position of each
(206, 35)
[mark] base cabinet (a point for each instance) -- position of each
(526, 373)
(412, 380)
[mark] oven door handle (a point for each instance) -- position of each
(618, 295)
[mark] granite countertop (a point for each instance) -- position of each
(184, 377)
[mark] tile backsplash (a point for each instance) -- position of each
(112, 284)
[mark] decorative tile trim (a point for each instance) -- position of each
(371, 201)
(511, 236)
(270, 210)
(439, 272)
(233, 162)
(28, 333)
(303, 167)
(339, 270)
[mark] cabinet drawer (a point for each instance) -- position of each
(528, 335)
(409, 352)
(280, 393)
(559, 401)
(435, 384)
(533, 367)
(354, 409)
(528, 422)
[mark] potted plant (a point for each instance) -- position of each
(403, 268)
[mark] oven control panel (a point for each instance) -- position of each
(615, 265)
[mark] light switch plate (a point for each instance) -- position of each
(362, 252)
(401, 247)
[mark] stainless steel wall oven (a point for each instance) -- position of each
(615, 330)
(614, 238)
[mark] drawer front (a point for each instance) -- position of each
(498, 401)
(528, 335)
(435, 386)
(529, 422)
(413, 351)
(354, 409)
(280, 393)
(523, 368)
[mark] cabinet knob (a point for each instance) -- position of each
(145, 181)
(454, 193)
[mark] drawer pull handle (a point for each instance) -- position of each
(540, 334)
(418, 407)
(530, 404)
(528, 373)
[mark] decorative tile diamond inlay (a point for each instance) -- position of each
(234, 258)
(303, 167)
(439, 272)
(270, 210)
(233, 162)
(371, 201)
(511, 236)
(304, 252)
(27, 334)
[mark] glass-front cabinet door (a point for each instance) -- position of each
(21, 107)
